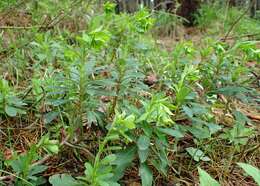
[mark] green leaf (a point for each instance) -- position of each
(146, 175)
(124, 158)
(252, 171)
(109, 7)
(37, 169)
(107, 183)
(232, 91)
(90, 66)
(240, 117)
(50, 116)
(206, 179)
(88, 170)
(199, 131)
(10, 111)
(113, 137)
(239, 134)
(187, 111)
(104, 173)
(161, 163)
(102, 183)
(182, 94)
(63, 180)
(197, 154)
(143, 142)
(108, 159)
(97, 38)
(113, 183)
(171, 132)
(213, 128)
(198, 109)
(38, 180)
(143, 154)
(20, 164)
(52, 148)
(130, 121)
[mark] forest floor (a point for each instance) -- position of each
(17, 134)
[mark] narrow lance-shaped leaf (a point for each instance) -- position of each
(252, 171)
(206, 179)
(146, 175)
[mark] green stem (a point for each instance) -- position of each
(11, 174)
(100, 152)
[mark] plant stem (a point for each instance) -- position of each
(100, 152)
(13, 175)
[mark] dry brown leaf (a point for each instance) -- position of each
(8, 154)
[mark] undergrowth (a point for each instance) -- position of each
(217, 20)
(91, 98)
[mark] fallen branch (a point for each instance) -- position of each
(252, 116)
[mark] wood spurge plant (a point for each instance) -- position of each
(129, 92)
